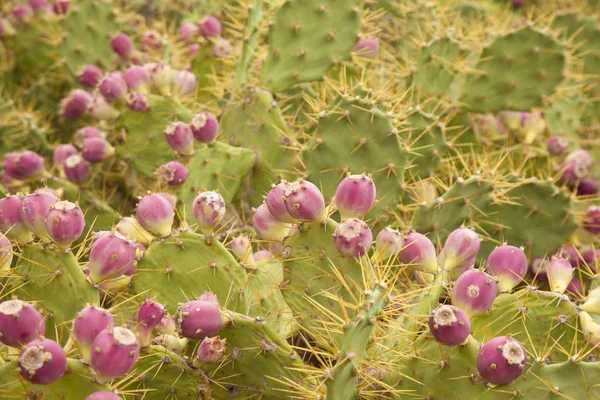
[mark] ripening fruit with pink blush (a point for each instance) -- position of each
(355, 196)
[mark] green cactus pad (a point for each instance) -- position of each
(424, 138)
(88, 29)
(259, 363)
(41, 274)
(582, 30)
(183, 267)
(514, 72)
(307, 37)
(250, 45)
(563, 115)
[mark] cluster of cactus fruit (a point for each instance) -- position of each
(299, 199)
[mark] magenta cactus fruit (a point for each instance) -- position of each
(76, 104)
(188, 32)
(575, 289)
(388, 243)
(592, 258)
(64, 223)
(367, 46)
(210, 27)
(110, 255)
(241, 247)
(61, 153)
(77, 170)
(508, 264)
(571, 254)
(11, 221)
(113, 87)
(210, 351)
(418, 251)
(60, 7)
(591, 221)
(90, 321)
(136, 102)
(151, 41)
(501, 360)
(87, 132)
(539, 268)
(123, 46)
(149, 316)
(131, 228)
(114, 352)
(459, 252)
(573, 171)
(221, 48)
(558, 145)
(560, 272)
(208, 209)
(103, 395)
(199, 319)
(173, 173)
(352, 238)
(210, 297)
(156, 214)
(449, 325)
(89, 75)
(474, 292)
(583, 157)
(185, 83)
(34, 208)
(304, 201)
(96, 150)
(180, 137)
(6, 254)
(137, 78)
(24, 165)
(42, 362)
(23, 13)
(355, 196)
(20, 323)
(205, 127)
(262, 255)
(587, 187)
(275, 201)
(267, 226)
(39, 5)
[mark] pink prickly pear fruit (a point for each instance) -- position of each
(101, 109)
(151, 41)
(210, 297)
(131, 228)
(114, 352)
(103, 395)
(587, 187)
(242, 248)
(352, 238)
(210, 27)
(267, 226)
(23, 13)
(113, 87)
(24, 165)
(501, 360)
(205, 127)
(185, 83)
(275, 201)
(42, 362)
(87, 132)
(39, 5)
(136, 102)
(590, 328)
(388, 243)
(180, 138)
(90, 321)
(148, 317)
(34, 208)
(419, 251)
(77, 170)
(96, 150)
(89, 75)
(198, 319)
(61, 153)
(210, 351)
(188, 32)
(570, 253)
(558, 146)
(592, 302)
(192, 50)
(304, 201)
(60, 7)
(111, 255)
(355, 196)
(592, 259)
(508, 264)
(367, 46)
(560, 273)
(162, 76)
(20, 323)
(123, 46)
(539, 268)
(262, 255)
(166, 326)
(459, 252)
(221, 48)
(573, 171)
(76, 104)
(591, 222)
(64, 223)
(449, 325)
(575, 289)
(208, 209)
(156, 214)
(173, 173)
(474, 292)
(137, 78)
(6, 254)
(582, 156)
(11, 222)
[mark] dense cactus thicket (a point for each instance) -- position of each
(299, 199)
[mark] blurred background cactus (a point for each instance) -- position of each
(299, 199)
